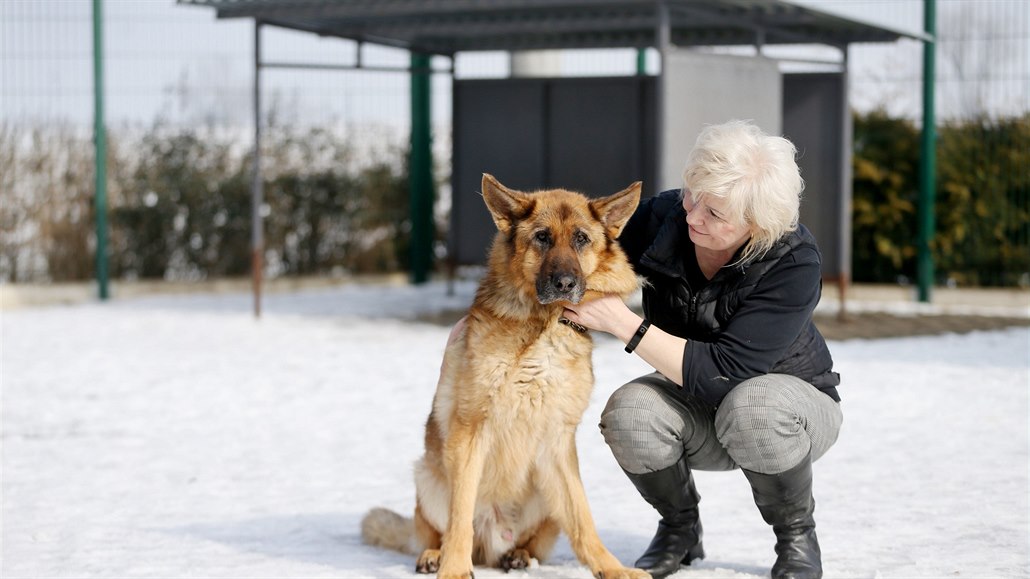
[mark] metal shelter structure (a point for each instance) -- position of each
(448, 27)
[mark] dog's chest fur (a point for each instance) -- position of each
(523, 382)
(541, 381)
(528, 393)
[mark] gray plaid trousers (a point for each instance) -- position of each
(766, 424)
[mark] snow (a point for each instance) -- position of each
(182, 437)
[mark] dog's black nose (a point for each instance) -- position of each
(564, 282)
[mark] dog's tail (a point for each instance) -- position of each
(385, 528)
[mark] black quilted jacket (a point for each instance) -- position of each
(750, 319)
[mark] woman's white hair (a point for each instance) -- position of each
(756, 174)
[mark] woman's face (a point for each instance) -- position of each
(710, 224)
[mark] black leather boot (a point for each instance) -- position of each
(678, 539)
(785, 501)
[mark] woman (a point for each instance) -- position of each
(744, 379)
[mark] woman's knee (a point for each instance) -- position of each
(760, 426)
(638, 408)
(642, 428)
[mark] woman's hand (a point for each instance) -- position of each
(663, 351)
(606, 314)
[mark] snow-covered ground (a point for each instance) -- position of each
(181, 437)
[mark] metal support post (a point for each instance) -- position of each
(257, 244)
(663, 39)
(421, 171)
(100, 149)
(928, 156)
(846, 183)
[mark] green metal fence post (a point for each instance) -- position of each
(100, 149)
(421, 171)
(928, 156)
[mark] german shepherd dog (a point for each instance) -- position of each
(500, 476)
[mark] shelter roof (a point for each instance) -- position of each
(451, 26)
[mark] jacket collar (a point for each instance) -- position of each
(665, 254)
(671, 243)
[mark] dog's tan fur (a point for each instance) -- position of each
(500, 476)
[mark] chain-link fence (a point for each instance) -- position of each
(179, 120)
(982, 234)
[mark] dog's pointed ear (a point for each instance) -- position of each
(615, 210)
(506, 206)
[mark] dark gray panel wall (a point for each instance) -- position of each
(813, 118)
(595, 132)
(498, 129)
(593, 135)
(597, 136)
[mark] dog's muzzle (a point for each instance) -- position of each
(559, 287)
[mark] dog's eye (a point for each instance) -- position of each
(580, 239)
(542, 237)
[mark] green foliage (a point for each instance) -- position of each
(46, 203)
(329, 212)
(180, 203)
(982, 201)
(184, 211)
(332, 219)
(885, 192)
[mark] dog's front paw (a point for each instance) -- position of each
(515, 559)
(451, 571)
(622, 573)
(428, 561)
(466, 575)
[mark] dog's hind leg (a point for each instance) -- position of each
(429, 538)
(534, 544)
(542, 543)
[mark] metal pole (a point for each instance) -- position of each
(663, 39)
(421, 171)
(257, 186)
(452, 235)
(928, 156)
(100, 149)
(846, 184)
(641, 61)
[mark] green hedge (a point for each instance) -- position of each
(982, 201)
(180, 208)
(180, 203)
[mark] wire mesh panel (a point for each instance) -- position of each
(179, 112)
(178, 84)
(982, 94)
